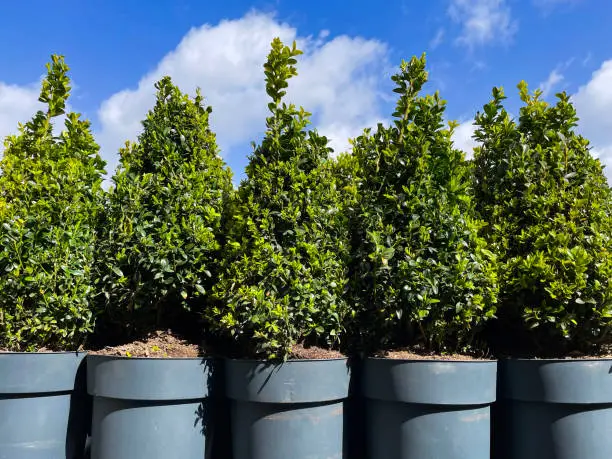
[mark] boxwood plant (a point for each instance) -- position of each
(549, 211)
(285, 273)
(50, 198)
(422, 274)
(163, 226)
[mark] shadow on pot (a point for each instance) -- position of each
(79, 420)
(212, 414)
(354, 413)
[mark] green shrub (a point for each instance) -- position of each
(285, 272)
(50, 198)
(163, 226)
(548, 204)
(423, 275)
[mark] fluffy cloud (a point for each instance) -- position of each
(483, 22)
(594, 104)
(463, 137)
(338, 82)
(17, 104)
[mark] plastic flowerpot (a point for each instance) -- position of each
(556, 409)
(290, 410)
(43, 405)
(418, 409)
(150, 408)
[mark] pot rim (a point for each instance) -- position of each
(557, 360)
(160, 359)
(388, 359)
(272, 362)
(43, 353)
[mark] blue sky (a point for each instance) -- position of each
(117, 50)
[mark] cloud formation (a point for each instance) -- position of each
(483, 22)
(338, 82)
(17, 105)
(593, 103)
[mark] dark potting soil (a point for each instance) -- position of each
(157, 344)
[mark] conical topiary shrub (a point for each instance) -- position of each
(163, 241)
(285, 272)
(423, 278)
(51, 190)
(548, 206)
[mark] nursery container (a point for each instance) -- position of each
(43, 405)
(426, 409)
(290, 410)
(556, 409)
(150, 408)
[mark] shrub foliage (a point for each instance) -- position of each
(403, 242)
(548, 205)
(423, 275)
(163, 226)
(285, 272)
(50, 199)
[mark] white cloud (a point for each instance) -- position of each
(554, 78)
(17, 105)
(462, 138)
(483, 22)
(593, 103)
(337, 82)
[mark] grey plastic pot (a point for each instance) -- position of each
(428, 409)
(43, 406)
(290, 410)
(149, 408)
(555, 409)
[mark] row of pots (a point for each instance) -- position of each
(308, 409)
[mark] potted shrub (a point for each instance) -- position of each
(549, 211)
(424, 284)
(50, 196)
(158, 261)
(280, 300)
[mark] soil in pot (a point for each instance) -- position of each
(156, 344)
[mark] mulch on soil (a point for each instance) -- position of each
(300, 352)
(418, 354)
(157, 344)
